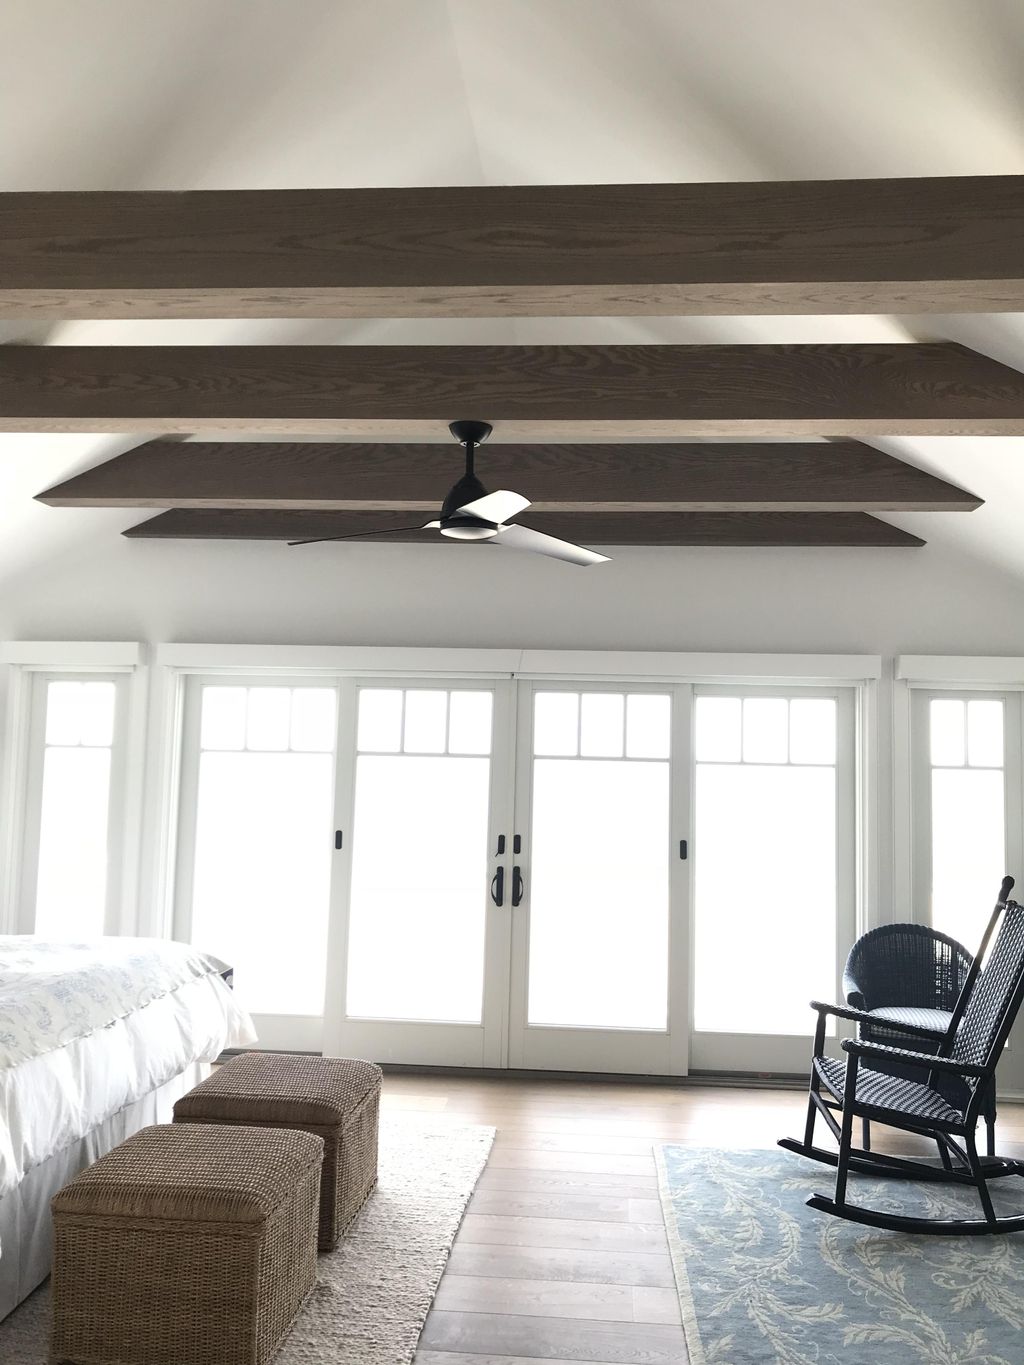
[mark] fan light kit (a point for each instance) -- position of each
(469, 512)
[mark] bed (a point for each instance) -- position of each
(97, 1040)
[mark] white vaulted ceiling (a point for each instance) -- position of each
(204, 94)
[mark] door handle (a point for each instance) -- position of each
(498, 887)
(518, 886)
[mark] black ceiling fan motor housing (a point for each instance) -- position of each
(469, 488)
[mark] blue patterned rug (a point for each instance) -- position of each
(764, 1280)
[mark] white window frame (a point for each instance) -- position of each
(966, 677)
(920, 786)
(31, 665)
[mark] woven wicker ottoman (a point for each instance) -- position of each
(336, 1098)
(186, 1245)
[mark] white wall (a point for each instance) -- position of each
(932, 600)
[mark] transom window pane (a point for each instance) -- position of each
(648, 725)
(426, 722)
(985, 734)
(812, 730)
(313, 719)
(556, 723)
(380, 720)
(602, 724)
(469, 722)
(719, 729)
(223, 718)
(71, 880)
(948, 733)
(765, 730)
(269, 719)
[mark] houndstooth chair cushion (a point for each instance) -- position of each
(876, 1090)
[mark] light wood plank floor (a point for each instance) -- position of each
(562, 1256)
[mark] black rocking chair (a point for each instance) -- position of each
(910, 974)
(973, 1043)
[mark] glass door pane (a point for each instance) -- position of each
(767, 892)
(596, 903)
(260, 862)
(417, 917)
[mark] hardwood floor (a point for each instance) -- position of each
(562, 1256)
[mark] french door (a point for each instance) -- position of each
(774, 871)
(253, 886)
(485, 872)
(419, 941)
(599, 887)
(507, 898)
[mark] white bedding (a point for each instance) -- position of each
(86, 1029)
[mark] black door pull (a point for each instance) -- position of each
(517, 885)
(498, 887)
(338, 838)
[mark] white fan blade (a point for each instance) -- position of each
(523, 538)
(431, 525)
(497, 507)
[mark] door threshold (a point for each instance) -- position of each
(725, 1080)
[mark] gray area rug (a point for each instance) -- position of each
(372, 1294)
(764, 1280)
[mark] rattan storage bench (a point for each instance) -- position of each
(336, 1098)
(186, 1244)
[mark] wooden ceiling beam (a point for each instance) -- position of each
(838, 246)
(838, 476)
(530, 392)
(602, 529)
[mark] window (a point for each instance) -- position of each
(961, 807)
(69, 871)
(768, 836)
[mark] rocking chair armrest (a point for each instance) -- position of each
(855, 998)
(862, 1017)
(926, 1060)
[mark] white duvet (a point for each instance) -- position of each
(86, 1028)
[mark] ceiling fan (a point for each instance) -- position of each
(469, 512)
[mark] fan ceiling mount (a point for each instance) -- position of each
(469, 512)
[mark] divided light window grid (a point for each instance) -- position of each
(636, 725)
(268, 719)
(396, 720)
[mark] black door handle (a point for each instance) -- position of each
(517, 885)
(498, 887)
